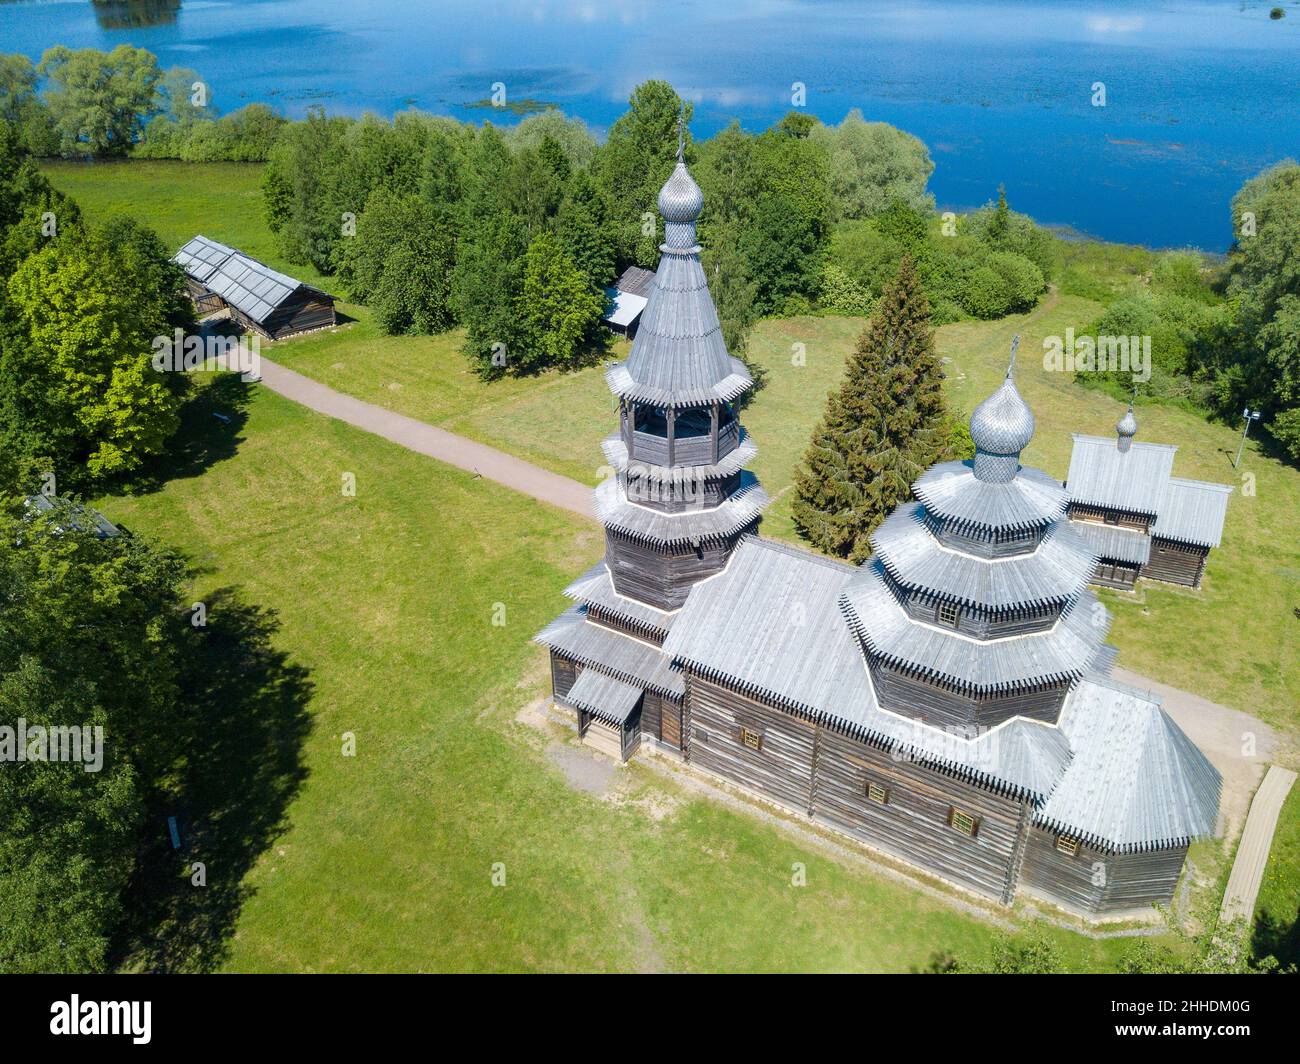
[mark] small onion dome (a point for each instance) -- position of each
(680, 200)
(1003, 423)
(1128, 424)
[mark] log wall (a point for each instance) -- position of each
(563, 674)
(1177, 563)
(1093, 881)
(780, 768)
(913, 823)
(944, 708)
(663, 577)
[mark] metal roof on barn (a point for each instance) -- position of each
(636, 280)
(250, 286)
(201, 257)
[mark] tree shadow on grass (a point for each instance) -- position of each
(212, 421)
(240, 754)
(1274, 937)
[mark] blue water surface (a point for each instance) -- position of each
(1198, 96)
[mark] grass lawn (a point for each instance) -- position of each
(1277, 911)
(180, 200)
(386, 600)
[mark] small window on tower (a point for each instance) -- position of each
(1111, 518)
(1067, 845)
(878, 794)
(963, 822)
(751, 739)
(949, 614)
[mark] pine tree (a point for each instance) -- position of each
(881, 430)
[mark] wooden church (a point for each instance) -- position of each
(948, 702)
(1139, 519)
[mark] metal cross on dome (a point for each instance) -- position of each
(681, 136)
(1015, 344)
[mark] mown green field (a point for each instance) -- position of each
(222, 201)
(386, 600)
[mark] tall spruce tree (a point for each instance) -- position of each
(881, 430)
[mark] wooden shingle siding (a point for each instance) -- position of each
(1096, 882)
(942, 707)
(662, 577)
(913, 823)
(1177, 563)
(781, 769)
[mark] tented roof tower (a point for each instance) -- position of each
(680, 497)
(974, 608)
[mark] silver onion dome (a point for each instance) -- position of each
(1003, 423)
(1128, 424)
(680, 200)
(1000, 428)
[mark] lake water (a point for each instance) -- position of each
(1199, 96)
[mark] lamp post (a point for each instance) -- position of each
(1250, 415)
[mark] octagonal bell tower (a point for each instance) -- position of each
(681, 497)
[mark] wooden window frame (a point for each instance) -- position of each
(877, 793)
(1110, 517)
(1068, 845)
(958, 818)
(946, 610)
(751, 740)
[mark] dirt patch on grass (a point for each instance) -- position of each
(583, 771)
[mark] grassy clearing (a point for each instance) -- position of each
(1277, 911)
(386, 600)
(180, 200)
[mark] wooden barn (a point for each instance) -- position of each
(948, 702)
(258, 298)
(1140, 520)
(627, 299)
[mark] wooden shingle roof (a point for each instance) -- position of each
(1135, 780)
